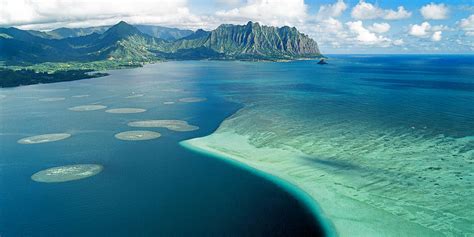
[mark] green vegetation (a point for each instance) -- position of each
(64, 54)
(12, 78)
(50, 67)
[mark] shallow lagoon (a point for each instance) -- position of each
(149, 187)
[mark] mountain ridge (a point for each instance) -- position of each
(125, 42)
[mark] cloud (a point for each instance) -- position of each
(379, 27)
(52, 13)
(401, 13)
(231, 3)
(367, 11)
(436, 36)
(434, 11)
(269, 12)
(364, 36)
(467, 25)
(398, 42)
(420, 30)
(425, 30)
(331, 10)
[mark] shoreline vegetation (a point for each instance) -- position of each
(49, 72)
(44, 73)
(22, 77)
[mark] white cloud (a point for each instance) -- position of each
(434, 11)
(269, 12)
(366, 37)
(436, 36)
(420, 30)
(467, 24)
(366, 11)
(53, 13)
(331, 10)
(425, 30)
(379, 27)
(401, 13)
(329, 31)
(333, 24)
(398, 42)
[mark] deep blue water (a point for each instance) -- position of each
(147, 188)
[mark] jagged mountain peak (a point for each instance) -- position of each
(122, 29)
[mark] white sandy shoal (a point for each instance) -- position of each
(174, 125)
(138, 135)
(52, 99)
(134, 96)
(67, 173)
(82, 108)
(347, 215)
(80, 96)
(192, 99)
(52, 137)
(125, 111)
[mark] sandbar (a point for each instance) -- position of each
(174, 125)
(137, 135)
(125, 110)
(52, 99)
(82, 108)
(192, 99)
(52, 137)
(67, 173)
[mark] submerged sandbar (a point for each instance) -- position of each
(52, 99)
(80, 96)
(82, 108)
(134, 96)
(138, 135)
(345, 214)
(125, 111)
(52, 137)
(192, 99)
(67, 173)
(174, 125)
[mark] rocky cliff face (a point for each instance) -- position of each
(253, 39)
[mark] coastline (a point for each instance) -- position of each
(298, 193)
(91, 70)
(341, 214)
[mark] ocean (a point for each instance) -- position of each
(368, 145)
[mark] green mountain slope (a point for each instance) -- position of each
(64, 32)
(120, 42)
(165, 33)
(160, 32)
(252, 41)
(124, 42)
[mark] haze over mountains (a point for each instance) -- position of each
(143, 43)
(161, 32)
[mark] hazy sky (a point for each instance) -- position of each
(339, 26)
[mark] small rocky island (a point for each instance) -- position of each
(322, 62)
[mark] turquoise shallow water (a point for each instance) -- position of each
(146, 188)
(390, 137)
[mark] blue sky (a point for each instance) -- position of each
(339, 26)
